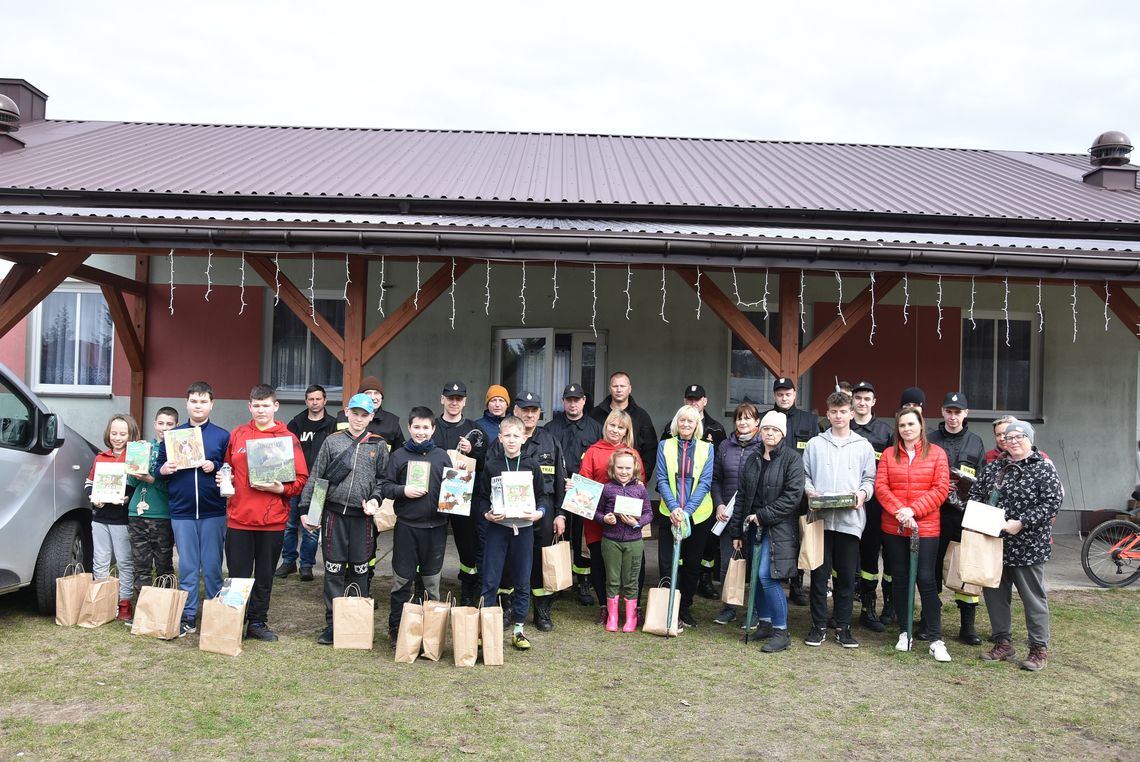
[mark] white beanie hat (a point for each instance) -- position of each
(775, 419)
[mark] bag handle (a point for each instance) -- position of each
(665, 582)
(169, 581)
(737, 554)
(76, 567)
(350, 588)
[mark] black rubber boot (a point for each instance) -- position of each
(888, 616)
(705, 587)
(796, 594)
(585, 590)
(868, 618)
(967, 634)
(542, 604)
(468, 592)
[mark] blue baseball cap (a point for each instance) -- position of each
(362, 401)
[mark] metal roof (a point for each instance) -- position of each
(251, 161)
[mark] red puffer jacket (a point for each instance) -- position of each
(920, 485)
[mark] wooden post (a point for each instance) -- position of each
(138, 376)
(354, 314)
(790, 325)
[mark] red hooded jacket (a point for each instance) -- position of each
(921, 485)
(594, 465)
(253, 509)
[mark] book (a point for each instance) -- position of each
(984, 518)
(455, 491)
(418, 474)
(138, 458)
(109, 483)
(518, 493)
(497, 496)
(625, 505)
(831, 501)
(583, 496)
(235, 591)
(184, 447)
(270, 460)
(317, 501)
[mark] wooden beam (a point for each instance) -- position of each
(736, 320)
(16, 279)
(857, 309)
(297, 303)
(138, 376)
(1121, 304)
(403, 315)
(354, 314)
(789, 328)
(13, 310)
(85, 273)
(124, 327)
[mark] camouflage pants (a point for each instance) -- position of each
(152, 545)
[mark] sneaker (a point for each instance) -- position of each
(779, 641)
(306, 574)
(726, 615)
(186, 629)
(815, 637)
(1037, 659)
(938, 651)
(326, 637)
(519, 641)
(258, 631)
(903, 643)
(284, 570)
(686, 618)
(845, 638)
(1003, 650)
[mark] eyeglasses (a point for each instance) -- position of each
(1014, 437)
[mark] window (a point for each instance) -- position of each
(297, 358)
(15, 419)
(74, 342)
(748, 379)
(545, 360)
(1001, 364)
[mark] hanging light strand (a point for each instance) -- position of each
(416, 298)
(241, 290)
(1005, 309)
(594, 299)
(1040, 310)
(973, 292)
(312, 284)
(276, 279)
(736, 290)
(209, 264)
(1073, 304)
(871, 337)
(487, 288)
(452, 293)
(347, 279)
(628, 298)
(803, 322)
(939, 326)
(839, 301)
(698, 286)
(380, 303)
(1106, 306)
(663, 318)
(172, 281)
(906, 297)
(522, 292)
(764, 299)
(554, 301)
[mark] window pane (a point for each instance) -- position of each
(325, 369)
(57, 339)
(523, 364)
(748, 379)
(15, 420)
(298, 359)
(96, 339)
(978, 363)
(1013, 365)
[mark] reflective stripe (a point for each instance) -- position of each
(869, 575)
(506, 591)
(583, 570)
(468, 569)
(538, 592)
(887, 577)
(966, 598)
(708, 564)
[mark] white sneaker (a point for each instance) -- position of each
(938, 651)
(904, 643)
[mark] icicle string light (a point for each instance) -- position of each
(1073, 304)
(764, 299)
(416, 298)
(1106, 306)
(172, 281)
(698, 285)
(347, 280)
(803, 322)
(736, 290)
(277, 280)
(871, 337)
(663, 318)
(209, 264)
(554, 301)
(973, 291)
(939, 308)
(1040, 311)
(839, 302)
(312, 285)
(522, 292)
(487, 287)
(906, 297)
(594, 299)
(453, 293)
(628, 298)
(1005, 309)
(241, 290)
(380, 303)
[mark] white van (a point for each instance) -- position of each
(45, 518)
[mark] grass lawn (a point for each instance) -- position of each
(581, 693)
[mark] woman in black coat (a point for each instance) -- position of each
(771, 487)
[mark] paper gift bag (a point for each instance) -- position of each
(435, 627)
(100, 603)
(732, 592)
(811, 544)
(158, 613)
(984, 518)
(657, 610)
(556, 571)
(980, 559)
(465, 635)
(221, 627)
(491, 631)
(354, 620)
(385, 518)
(410, 636)
(70, 589)
(951, 574)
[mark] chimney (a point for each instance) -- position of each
(9, 123)
(29, 100)
(1109, 156)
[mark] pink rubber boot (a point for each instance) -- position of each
(630, 615)
(612, 614)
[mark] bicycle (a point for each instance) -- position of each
(1110, 555)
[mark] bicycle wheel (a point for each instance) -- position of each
(1104, 566)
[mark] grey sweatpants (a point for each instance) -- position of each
(108, 539)
(1030, 583)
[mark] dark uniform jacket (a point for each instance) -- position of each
(644, 435)
(575, 437)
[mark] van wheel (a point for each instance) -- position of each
(63, 545)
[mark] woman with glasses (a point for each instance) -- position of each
(1026, 486)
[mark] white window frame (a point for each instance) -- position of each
(551, 391)
(35, 340)
(333, 396)
(1036, 363)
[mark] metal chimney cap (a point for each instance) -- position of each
(1110, 149)
(9, 114)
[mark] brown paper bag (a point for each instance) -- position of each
(465, 635)
(732, 591)
(556, 571)
(70, 590)
(220, 627)
(385, 518)
(354, 620)
(980, 559)
(411, 634)
(435, 627)
(158, 613)
(811, 544)
(951, 574)
(657, 610)
(459, 460)
(491, 629)
(100, 603)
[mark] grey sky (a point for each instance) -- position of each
(1004, 75)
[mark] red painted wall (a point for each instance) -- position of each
(903, 355)
(14, 349)
(203, 341)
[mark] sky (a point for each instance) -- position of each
(1037, 76)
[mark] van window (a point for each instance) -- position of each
(15, 419)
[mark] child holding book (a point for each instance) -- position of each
(622, 546)
(109, 532)
(148, 516)
(412, 481)
(510, 541)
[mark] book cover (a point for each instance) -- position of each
(235, 591)
(419, 474)
(138, 458)
(317, 501)
(497, 495)
(110, 483)
(455, 491)
(628, 506)
(270, 460)
(184, 447)
(518, 493)
(832, 501)
(583, 496)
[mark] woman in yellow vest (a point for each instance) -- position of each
(684, 479)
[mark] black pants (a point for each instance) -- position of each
(414, 550)
(871, 543)
(581, 564)
(898, 556)
(692, 548)
(950, 530)
(841, 553)
(347, 545)
(465, 533)
(254, 553)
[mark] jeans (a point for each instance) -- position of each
(199, 543)
(108, 538)
(504, 549)
(770, 601)
(309, 540)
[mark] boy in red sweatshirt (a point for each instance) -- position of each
(257, 512)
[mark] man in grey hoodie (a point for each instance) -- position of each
(838, 462)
